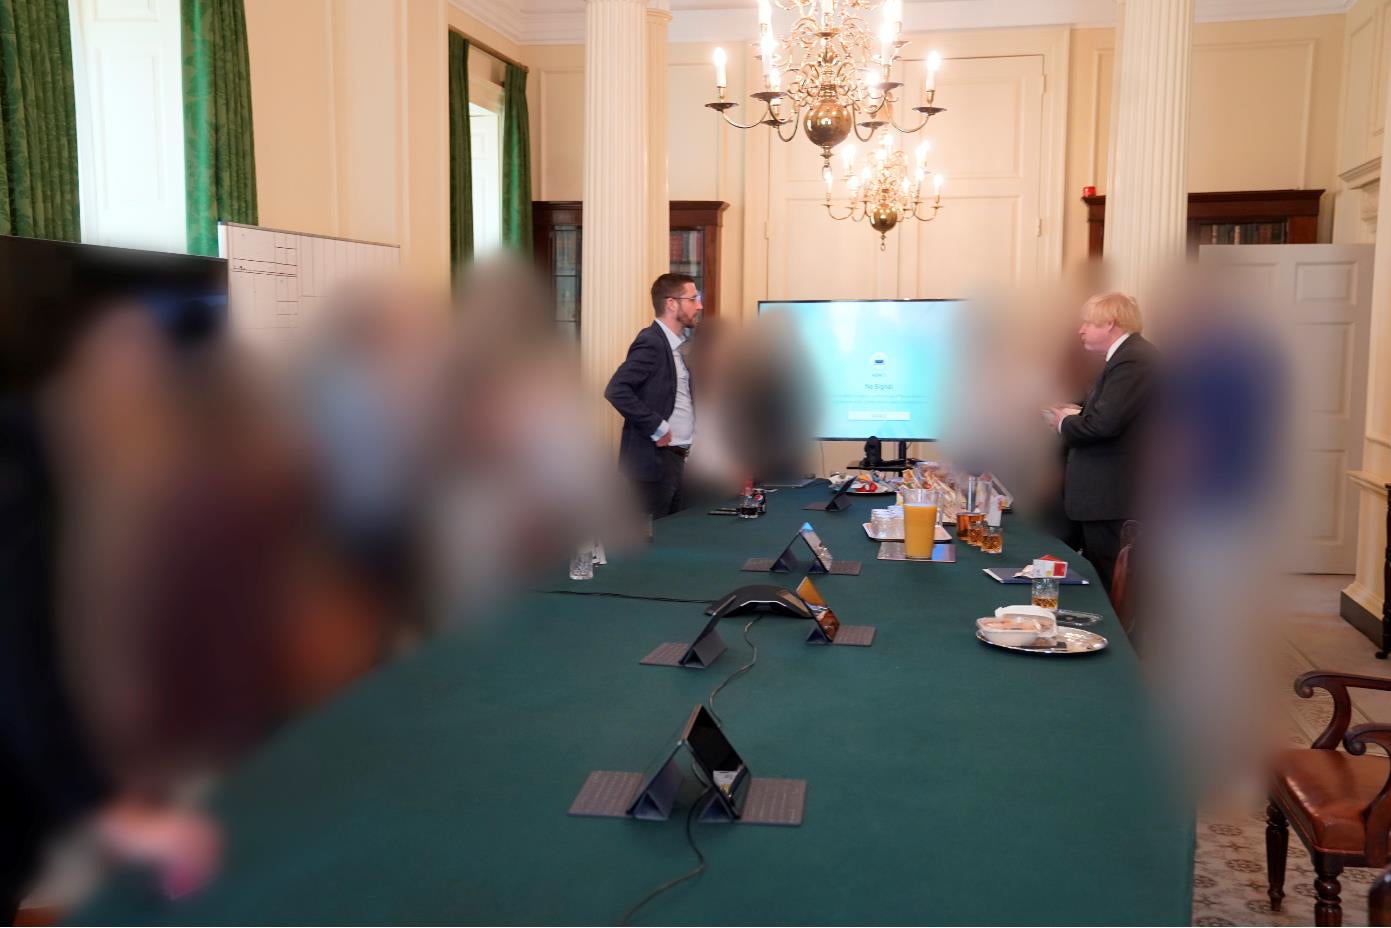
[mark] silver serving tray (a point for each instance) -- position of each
(1067, 641)
(941, 534)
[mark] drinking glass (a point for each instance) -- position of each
(919, 523)
(1045, 592)
(582, 565)
(992, 539)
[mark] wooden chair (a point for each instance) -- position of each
(1122, 580)
(1339, 803)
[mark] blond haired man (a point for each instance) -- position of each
(1103, 434)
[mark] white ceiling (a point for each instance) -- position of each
(559, 22)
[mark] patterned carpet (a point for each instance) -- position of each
(1229, 882)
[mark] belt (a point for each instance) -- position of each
(680, 450)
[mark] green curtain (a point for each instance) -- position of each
(38, 122)
(219, 150)
(516, 162)
(460, 157)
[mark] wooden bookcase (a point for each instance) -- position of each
(558, 237)
(1241, 217)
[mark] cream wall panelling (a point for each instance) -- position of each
(1249, 123)
(277, 281)
(1364, 74)
(129, 96)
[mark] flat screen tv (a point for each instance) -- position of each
(882, 367)
(49, 290)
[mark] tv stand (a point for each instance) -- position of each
(900, 463)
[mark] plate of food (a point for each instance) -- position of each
(1035, 631)
(867, 486)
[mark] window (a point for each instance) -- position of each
(485, 128)
(128, 86)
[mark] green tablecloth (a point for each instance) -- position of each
(948, 782)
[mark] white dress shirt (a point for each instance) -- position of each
(1115, 346)
(682, 423)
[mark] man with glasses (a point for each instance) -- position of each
(652, 392)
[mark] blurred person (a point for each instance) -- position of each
(770, 407)
(1213, 500)
(652, 392)
(517, 479)
(176, 602)
(1103, 434)
(713, 472)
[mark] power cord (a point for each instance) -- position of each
(710, 700)
(655, 599)
(691, 874)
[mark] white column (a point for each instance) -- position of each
(616, 248)
(1366, 589)
(659, 215)
(1147, 190)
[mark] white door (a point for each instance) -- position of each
(1323, 294)
(129, 106)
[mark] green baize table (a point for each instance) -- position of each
(948, 782)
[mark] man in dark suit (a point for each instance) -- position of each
(1103, 435)
(652, 392)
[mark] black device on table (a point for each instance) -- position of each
(839, 501)
(716, 762)
(706, 647)
(760, 596)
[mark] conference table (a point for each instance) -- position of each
(948, 782)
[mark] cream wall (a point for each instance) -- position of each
(349, 107)
(1264, 112)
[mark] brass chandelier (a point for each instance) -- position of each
(884, 190)
(830, 76)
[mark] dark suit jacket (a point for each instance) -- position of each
(1103, 440)
(643, 390)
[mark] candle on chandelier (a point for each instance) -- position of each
(720, 80)
(937, 181)
(828, 177)
(827, 10)
(934, 62)
(893, 12)
(765, 15)
(847, 156)
(923, 148)
(774, 79)
(886, 42)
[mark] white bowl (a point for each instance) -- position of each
(1009, 637)
(1047, 618)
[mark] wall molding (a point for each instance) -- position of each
(561, 22)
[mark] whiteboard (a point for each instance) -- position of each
(277, 281)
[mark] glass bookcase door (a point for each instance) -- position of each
(565, 275)
(688, 254)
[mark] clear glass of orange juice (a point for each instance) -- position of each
(919, 522)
